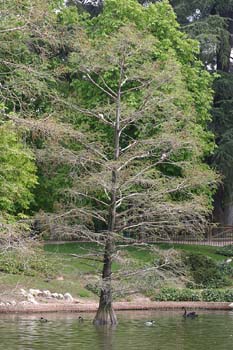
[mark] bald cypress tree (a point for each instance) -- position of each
(141, 122)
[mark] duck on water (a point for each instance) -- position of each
(191, 314)
(149, 323)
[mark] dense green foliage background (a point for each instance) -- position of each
(45, 89)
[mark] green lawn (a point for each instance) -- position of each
(68, 264)
(83, 265)
(136, 252)
(72, 274)
(209, 251)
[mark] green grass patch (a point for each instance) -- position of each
(72, 284)
(63, 253)
(140, 254)
(73, 248)
(209, 251)
(79, 272)
(62, 256)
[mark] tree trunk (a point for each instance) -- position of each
(105, 313)
(223, 208)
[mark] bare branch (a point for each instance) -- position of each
(107, 86)
(136, 88)
(74, 213)
(52, 130)
(88, 257)
(133, 178)
(132, 144)
(100, 87)
(88, 112)
(7, 30)
(142, 156)
(90, 197)
(140, 271)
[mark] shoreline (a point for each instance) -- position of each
(118, 306)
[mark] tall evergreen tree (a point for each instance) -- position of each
(211, 22)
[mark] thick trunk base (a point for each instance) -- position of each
(105, 316)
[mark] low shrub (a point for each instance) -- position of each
(227, 250)
(173, 294)
(217, 295)
(205, 272)
(228, 295)
(29, 263)
(210, 295)
(93, 287)
(226, 269)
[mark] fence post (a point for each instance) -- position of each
(209, 234)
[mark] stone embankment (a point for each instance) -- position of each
(39, 301)
(118, 306)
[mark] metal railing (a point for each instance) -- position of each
(215, 236)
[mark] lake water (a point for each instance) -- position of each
(210, 331)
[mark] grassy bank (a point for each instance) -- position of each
(72, 266)
(209, 251)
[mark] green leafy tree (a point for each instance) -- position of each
(17, 172)
(33, 51)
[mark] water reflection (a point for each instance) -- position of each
(105, 336)
(171, 332)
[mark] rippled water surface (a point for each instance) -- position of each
(212, 331)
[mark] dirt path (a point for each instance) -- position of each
(92, 306)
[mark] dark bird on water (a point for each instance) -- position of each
(43, 320)
(80, 319)
(191, 314)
